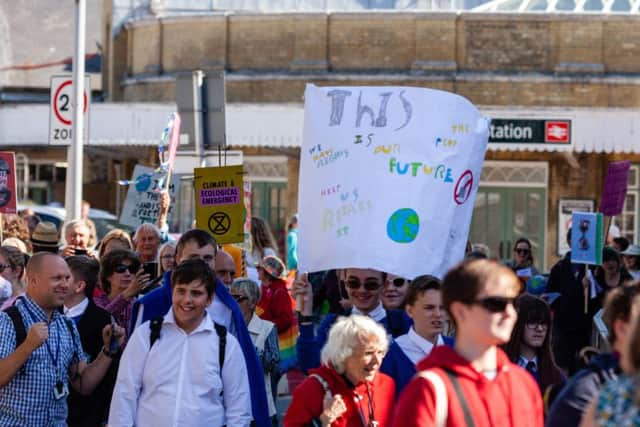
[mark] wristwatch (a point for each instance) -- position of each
(110, 355)
(304, 319)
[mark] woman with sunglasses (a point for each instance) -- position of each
(121, 279)
(474, 383)
(364, 289)
(394, 292)
(522, 262)
(530, 343)
(263, 333)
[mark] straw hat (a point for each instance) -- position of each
(45, 235)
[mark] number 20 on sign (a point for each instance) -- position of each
(61, 111)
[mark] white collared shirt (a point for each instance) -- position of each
(77, 309)
(376, 314)
(178, 381)
(416, 347)
(522, 362)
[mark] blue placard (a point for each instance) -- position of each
(586, 238)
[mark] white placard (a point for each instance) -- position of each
(142, 203)
(61, 111)
(388, 178)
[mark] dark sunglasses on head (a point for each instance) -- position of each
(121, 268)
(3, 267)
(494, 304)
(239, 298)
(369, 285)
(399, 282)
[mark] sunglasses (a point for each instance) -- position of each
(523, 251)
(369, 285)
(121, 268)
(399, 282)
(239, 298)
(494, 304)
(3, 267)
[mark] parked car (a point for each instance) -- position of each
(105, 221)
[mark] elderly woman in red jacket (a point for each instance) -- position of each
(347, 390)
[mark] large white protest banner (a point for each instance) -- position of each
(388, 178)
(142, 203)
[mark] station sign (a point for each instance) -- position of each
(530, 131)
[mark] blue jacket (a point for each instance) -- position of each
(398, 366)
(310, 344)
(157, 303)
(569, 405)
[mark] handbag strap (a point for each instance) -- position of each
(442, 404)
(468, 418)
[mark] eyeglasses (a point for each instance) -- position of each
(121, 268)
(399, 282)
(3, 267)
(239, 298)
(494, 304)
(522, 251)
(534, 325)
(369, 285)
(168, 256)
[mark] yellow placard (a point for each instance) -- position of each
(219, 198)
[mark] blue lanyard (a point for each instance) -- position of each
(54, 360)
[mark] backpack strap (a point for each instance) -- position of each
(468, 418)
(222, 336)
(18, 324)
(154, 330)
(441, 403)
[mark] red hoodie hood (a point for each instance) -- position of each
(446, 357)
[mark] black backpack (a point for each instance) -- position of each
(156, 326)
(21, 331)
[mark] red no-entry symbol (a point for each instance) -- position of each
(462, 190)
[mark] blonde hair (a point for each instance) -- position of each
(115, 234)
(347, 334)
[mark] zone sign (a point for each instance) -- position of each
(61, 110)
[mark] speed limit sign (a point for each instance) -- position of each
(61, 112)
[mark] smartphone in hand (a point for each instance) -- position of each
(151, 268)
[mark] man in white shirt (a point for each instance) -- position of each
(178, 379)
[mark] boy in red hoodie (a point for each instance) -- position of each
(479, 386)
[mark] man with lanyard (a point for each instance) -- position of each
(364, 288)
(34, 373)
(223, 310)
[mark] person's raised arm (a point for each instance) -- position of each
(85, 378)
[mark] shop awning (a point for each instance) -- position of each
(280, 126)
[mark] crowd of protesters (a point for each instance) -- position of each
(137, 330)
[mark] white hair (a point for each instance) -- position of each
(148, 227)
(347, 334)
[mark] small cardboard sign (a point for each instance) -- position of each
(615, 188)
(220, 209)
(586, 238)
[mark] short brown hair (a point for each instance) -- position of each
(419, 286)
(466, 280)
(617, 306)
